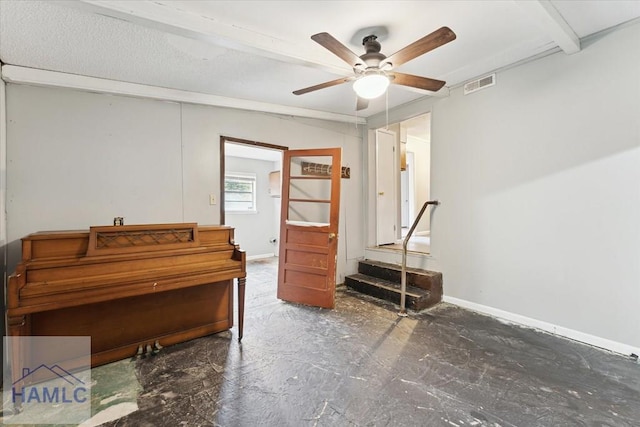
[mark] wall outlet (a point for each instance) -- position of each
(212, 199)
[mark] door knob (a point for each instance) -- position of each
(381, 193)
(332, 236)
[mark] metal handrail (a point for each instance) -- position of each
(403, 277)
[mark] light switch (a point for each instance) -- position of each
(212, 199)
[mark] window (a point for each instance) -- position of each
(240, 192)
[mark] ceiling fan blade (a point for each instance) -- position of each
(429, 42)
(337, 48)
(416, 81)
(361, 104)
(323, 85)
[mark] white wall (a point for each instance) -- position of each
(253, 231)
(539, 179)
(77, 159)
(541, 190)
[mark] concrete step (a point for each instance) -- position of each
(416, 298)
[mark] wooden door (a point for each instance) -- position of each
(309, 226)
(386, 188)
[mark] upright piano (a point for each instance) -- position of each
(133, 289)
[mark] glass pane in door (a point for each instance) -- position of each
(309, 190)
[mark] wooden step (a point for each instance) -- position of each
(424, 279)
(416, 298)
(382, 280)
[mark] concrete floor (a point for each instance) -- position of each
(362, 365)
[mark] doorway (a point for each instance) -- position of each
(413, 171)
(250, 194)
(249, 172)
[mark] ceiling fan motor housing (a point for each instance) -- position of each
(372, 56)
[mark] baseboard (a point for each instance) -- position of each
(572, 334)
(261, 256)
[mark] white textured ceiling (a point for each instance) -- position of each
(261, 50)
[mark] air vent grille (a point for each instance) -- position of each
(481, 83)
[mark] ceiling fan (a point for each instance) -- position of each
(372, 70)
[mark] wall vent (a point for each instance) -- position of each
(481, 83)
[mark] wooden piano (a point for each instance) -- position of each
(131, 288)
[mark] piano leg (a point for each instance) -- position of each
(18, 326)
(241, 284)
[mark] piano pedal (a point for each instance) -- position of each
(149, 351)
(157, 347)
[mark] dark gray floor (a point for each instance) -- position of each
(362, 365)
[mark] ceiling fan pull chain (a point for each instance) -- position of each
(387, 107)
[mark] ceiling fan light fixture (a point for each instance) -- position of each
(371, 85)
